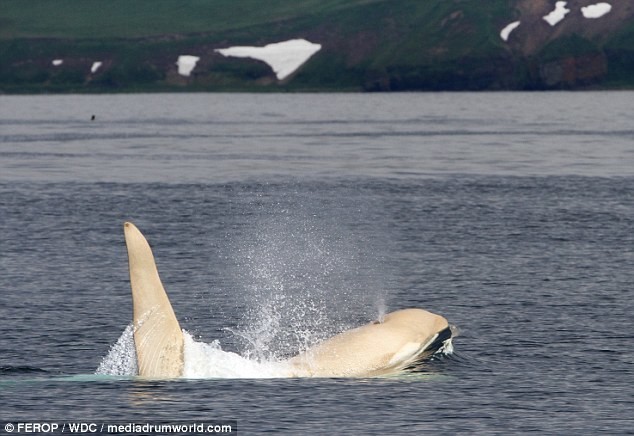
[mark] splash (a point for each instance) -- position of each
(300, 271)
(121, 359)
(204, 360)
(201, 360)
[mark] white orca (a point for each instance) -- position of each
(398, 342)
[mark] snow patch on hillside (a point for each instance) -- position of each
(596, 10)
(283, 57)
(557, 14)
(504, 34)
(186, 64)
(95, 66)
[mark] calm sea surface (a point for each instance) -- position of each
(277, 220)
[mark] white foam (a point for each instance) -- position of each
(121, 359)
(210, 361)
(57, 62)
(95, 66)
(201, 360)
(446, 349)
(283, 57)
(186, 64)
(596, 10)
(557, 14)
(504, 34)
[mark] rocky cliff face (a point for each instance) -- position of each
(535, 33)
(575, 50)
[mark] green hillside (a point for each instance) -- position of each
(366, 45)
(79, 19)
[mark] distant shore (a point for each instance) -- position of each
(351, 46)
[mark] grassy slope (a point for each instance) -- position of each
(141, 18)
(620, 48)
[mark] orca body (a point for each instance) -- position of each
(401, 341)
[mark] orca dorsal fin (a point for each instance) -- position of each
(158, 337)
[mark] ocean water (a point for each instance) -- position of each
(279, 220)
